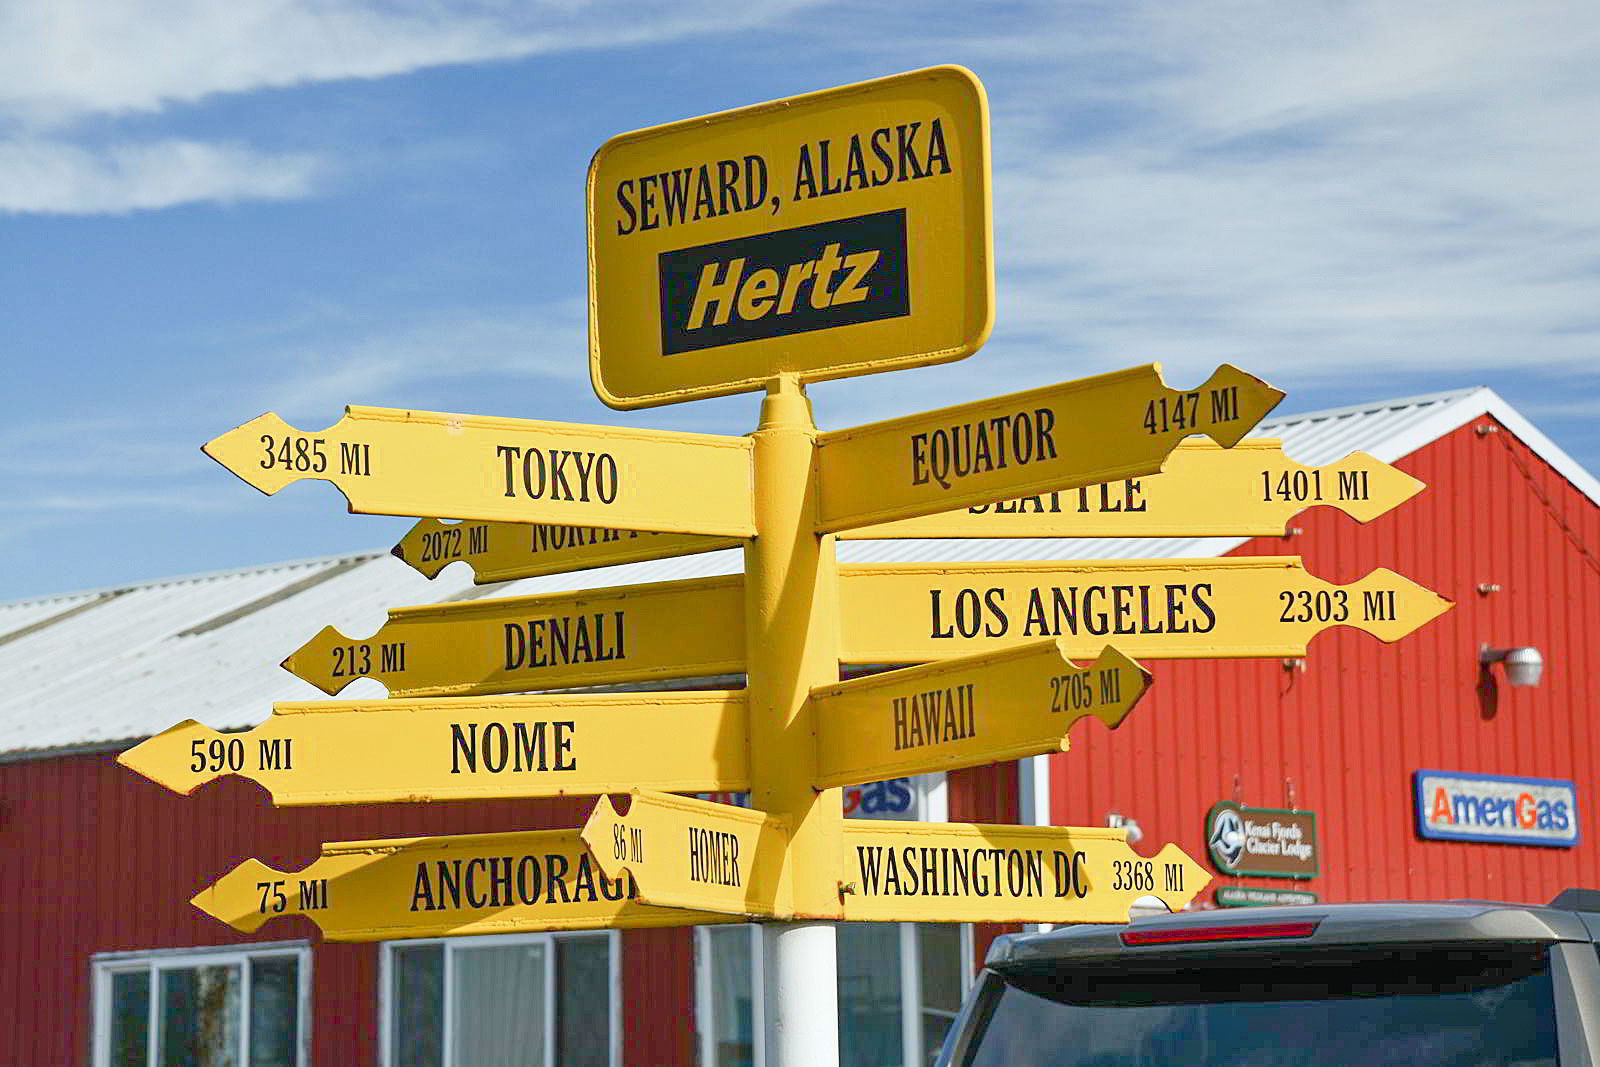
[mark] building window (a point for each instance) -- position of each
(502, 1001)
(728, 1013)
(239, 1007)
(900, 987)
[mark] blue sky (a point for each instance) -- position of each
(210, 210)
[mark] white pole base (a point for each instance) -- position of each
(800, 979)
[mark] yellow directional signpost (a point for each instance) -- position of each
(394, 462)
(1093, 430)
(840, 233)
(1160, 608)
(687, 853)
(437, 886)
(967, 711)
(553, 641)
(379, 751)
(502, 551)
(955, 872)
(829, 235)
(1202, 490)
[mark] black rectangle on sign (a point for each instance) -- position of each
(790, 281)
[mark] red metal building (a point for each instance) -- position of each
(100, 863)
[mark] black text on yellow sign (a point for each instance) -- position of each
(822, 236)
(967, 711)
(1083, 432)
(682, 629)
(466, 748)
(440, 886)
(1166, 608)
(390, 461)
(967, 872)
(503, 551)
(687, 853)
(1203, 490)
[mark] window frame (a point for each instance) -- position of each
(912, 1008)
(105, 966)
(548, 939)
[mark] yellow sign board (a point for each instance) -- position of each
(966, 872)
(687, 853)
(466, 748)
(627, 633)
(1161, 608)
(439, 886)
(389, 461)
(503, 551)
(1119, 425)
(822, 236)
(1203, 490)
(963, 712)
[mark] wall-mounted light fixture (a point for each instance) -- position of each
(1117, 820)
(1523, 665)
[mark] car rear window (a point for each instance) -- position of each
(1479, 1006)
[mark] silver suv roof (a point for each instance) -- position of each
(1336, 924)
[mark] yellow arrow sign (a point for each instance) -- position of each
(519, 644)
(465, 748)
(1099, 429)
(438, 886)
(687, 853)
(503, 551)
(388, 461)
(1202, 491)
(965, 872)
(1185, 608)
(977, 709)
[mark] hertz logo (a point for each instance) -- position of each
(790, 281)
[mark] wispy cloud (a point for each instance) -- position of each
(545, 342)
(1313, 190)
(55, 177)
(66, 61)
(63, 59)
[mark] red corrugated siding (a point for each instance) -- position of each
(98, 859)
(984, 794)
(658, 997)
(1343, 737)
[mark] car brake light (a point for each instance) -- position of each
(1230, 932)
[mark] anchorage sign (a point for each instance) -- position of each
(826, 235)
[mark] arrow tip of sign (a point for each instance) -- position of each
(1262, 398)
(408, 549)
(1194, 878)
(156, 757)
(240, 450)
(232, 899)
(316, 651)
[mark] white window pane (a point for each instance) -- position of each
(130, 1019)
(416, 998)
(200, 1016)
(274, 1010)
(497, 999)
(732, 997)
(869, 995)
(583, 1006)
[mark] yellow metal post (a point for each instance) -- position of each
(791, 583)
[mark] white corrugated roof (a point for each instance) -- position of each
(96, 668)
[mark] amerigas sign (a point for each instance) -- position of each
(1455, 806)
